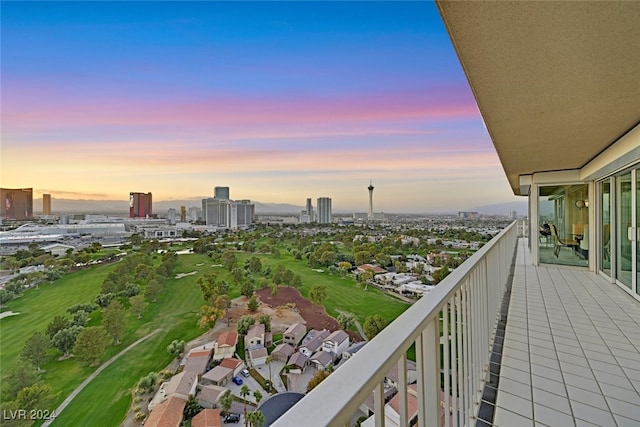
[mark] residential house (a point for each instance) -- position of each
(198, 361)
(392, 410)
(294, 334)
(376, 269)
(257, 337)
(353, 349)
(258, 356)
(219, 376)
(208, 396)
(167, 413)
(225, 346)
(321, 360)
(207, 418)
(297, 362)
(282, 352)
(232, 363)
(187, 385)
(309, 347)
(180, 385)
(392, 377)
(336, 343)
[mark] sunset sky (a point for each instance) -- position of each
(278, 101)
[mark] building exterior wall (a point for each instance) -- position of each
(324, 210)
(46, 204)
(140, 205)
(16, 203)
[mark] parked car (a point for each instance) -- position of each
(237, 380)
(245, 373)
(231, 418)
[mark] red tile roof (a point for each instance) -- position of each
(167, 413)
(229, 338)
(230, 363)
(207, 418)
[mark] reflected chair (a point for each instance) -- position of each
(560, 243)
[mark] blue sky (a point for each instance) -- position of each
(278, 100)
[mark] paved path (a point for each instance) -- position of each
(90, 378)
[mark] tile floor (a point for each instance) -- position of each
(571, 353)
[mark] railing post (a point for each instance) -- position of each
(378, 404)
(402, 392)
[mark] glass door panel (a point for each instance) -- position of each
(637, 231)
(605, 216)
(624, 247)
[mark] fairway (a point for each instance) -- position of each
(106, 400)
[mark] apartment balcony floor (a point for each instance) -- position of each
(571, 350)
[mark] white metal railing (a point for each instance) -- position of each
(461, 313)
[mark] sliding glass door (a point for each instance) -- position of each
(627, 206)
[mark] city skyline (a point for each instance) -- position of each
(277, 100)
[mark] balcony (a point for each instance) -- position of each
(516, 344)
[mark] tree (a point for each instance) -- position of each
(103, 300)
(192, 407)
(318, 294)
(176, 348)
(35, 396)
(244, 392)
(373, 325)
(265, 319)
(35, 349)
(226, 401)
(346, 320)
(114, 321)
(57, 324)
(247, 288)
(316, 379)
(253, 303)
(148, 383)
(65, 339)
(255, 265)
(257, 396)
(138, 305)
(296, 281)
(23, 374)
(153, 289)
(440, 274)
(256, 418)
(91, 344)
(344, 267)
(80, 318)
(209, 316)
(244, 324)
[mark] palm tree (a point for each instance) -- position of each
(256, 418)
(268, 362)
(257, 395)
(244, 392)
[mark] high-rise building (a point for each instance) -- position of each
(46, 204)
(309, 210)
(16, 203)
(370, 188)
(221, 193)
(171, 216)
(219, 211)
(324, 210)
(183, 214)
(140, 205)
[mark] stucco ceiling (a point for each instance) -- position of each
(556, 82)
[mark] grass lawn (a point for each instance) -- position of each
(344, 293)
(106, 399)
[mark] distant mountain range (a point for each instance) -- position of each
(120, 207)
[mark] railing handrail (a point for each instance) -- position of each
(338, 397)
